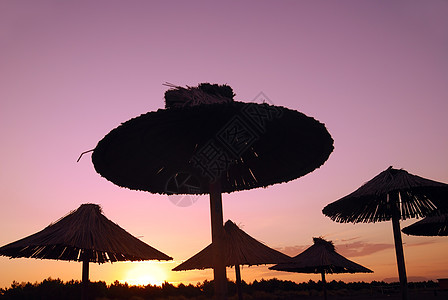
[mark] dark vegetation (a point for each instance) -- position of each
(55, 289)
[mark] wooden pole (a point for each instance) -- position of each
(85, 277)
(238, 282)
(219, 269)
(396, 216)
(324, 285)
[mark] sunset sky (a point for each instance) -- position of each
(375, 72)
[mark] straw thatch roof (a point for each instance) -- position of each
(83, 232)
(321, 258)
(240, 249)
(205, 93)
(245, 145)
(435, 225)
(419, 197)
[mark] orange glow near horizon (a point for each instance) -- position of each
(145, 273)
(383, 264)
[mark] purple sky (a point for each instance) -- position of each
(375, 72)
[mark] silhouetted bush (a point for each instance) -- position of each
(56, 289)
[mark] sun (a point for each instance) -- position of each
(145, 273)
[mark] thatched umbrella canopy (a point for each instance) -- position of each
(434, 225)
(321, 258)
(85, 235)
(239, 249)
(391, 195)
(204, 142)
(211, 138)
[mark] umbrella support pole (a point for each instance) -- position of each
(219, 267)
(85, 278)
(324, 285)
(399, 249)
(238, 282)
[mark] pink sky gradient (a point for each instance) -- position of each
(375, 72)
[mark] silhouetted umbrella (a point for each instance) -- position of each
(321, 258)
(83, 235)
(239, 249)
(392, 194)
(205, 142)
(434, 225)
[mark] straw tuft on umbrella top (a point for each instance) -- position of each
(324, 243)
(83, 233)
(204, 93)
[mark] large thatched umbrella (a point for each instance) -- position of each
(321, 258)
(204, 142)
(84, 235)
(239, 249)
(391, 195)
(434, 225)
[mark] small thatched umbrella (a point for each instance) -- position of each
(434, 225)
(239, 249)
(204, 142)
(84, 235)
(391, 195)
(321, 258)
